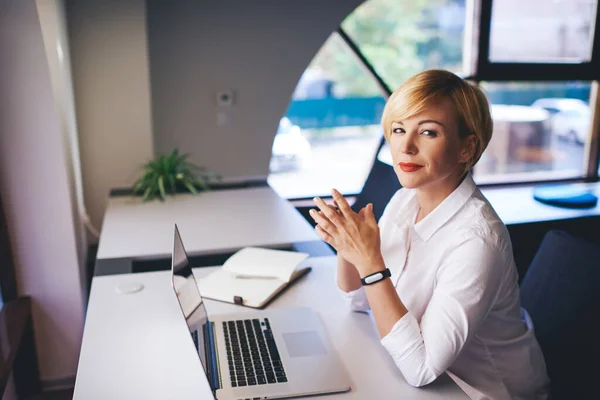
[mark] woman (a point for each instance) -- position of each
(452, 302)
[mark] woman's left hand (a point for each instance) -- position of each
(355, 236)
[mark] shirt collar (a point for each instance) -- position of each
(445, 210)
(408, 210)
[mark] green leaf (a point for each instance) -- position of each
(172, 157)
(154, 165)
(190, 187)
(146, 195)
(172, 186)
(161, 187)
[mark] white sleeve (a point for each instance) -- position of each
(466, 289)
(356, 299)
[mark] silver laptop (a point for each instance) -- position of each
(263, 354)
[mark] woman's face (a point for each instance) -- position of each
(427, 150)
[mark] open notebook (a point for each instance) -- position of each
(253, 276)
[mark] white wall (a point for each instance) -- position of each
(36, 191)
(257, 48)
(53, 22)
(112, 93)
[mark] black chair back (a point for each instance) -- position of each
(380, 186)
(561, 292)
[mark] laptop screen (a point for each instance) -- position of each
(188, 296)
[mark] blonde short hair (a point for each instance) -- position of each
(429, 87)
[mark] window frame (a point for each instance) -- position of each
(487, 70)
(385, 88)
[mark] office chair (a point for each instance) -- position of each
(380, 186)
(561, 292)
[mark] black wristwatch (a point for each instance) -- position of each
(376, 277)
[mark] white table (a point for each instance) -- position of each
(219, 221)
(516, 205)
(137, 346)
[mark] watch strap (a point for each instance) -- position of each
(376, 277)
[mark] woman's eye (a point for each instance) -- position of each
(397, 130)
(428, 132)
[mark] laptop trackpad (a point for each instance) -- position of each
(304, 344)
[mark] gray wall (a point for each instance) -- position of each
(146, 74)
(112, 94)
(37, 190)
(256, 48)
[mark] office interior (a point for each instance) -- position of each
(91, 90)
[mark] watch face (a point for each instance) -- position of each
(374, 278)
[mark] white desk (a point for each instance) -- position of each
(219, 221)
(137, 346)
(516, 205)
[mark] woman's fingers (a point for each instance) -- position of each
(324, 228)
(362, 213)
(324, 235)
(329, 211)
(321, 220)
(370, 214)
(341, 202)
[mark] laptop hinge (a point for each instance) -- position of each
(214, 373)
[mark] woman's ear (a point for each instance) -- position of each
(467, 151)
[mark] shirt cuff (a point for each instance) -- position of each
(356, 299)
(404, 338)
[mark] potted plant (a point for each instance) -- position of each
(172, 173)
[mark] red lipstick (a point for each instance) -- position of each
(410, 167)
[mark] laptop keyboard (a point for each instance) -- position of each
(252, 353)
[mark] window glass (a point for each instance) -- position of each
(539, 131)
(330, 132)
(558, 31)
(401, 38)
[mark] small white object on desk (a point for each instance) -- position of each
(129, 288)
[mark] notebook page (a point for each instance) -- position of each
(223, 285)
(264, 263)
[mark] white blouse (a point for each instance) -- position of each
(455, 273)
